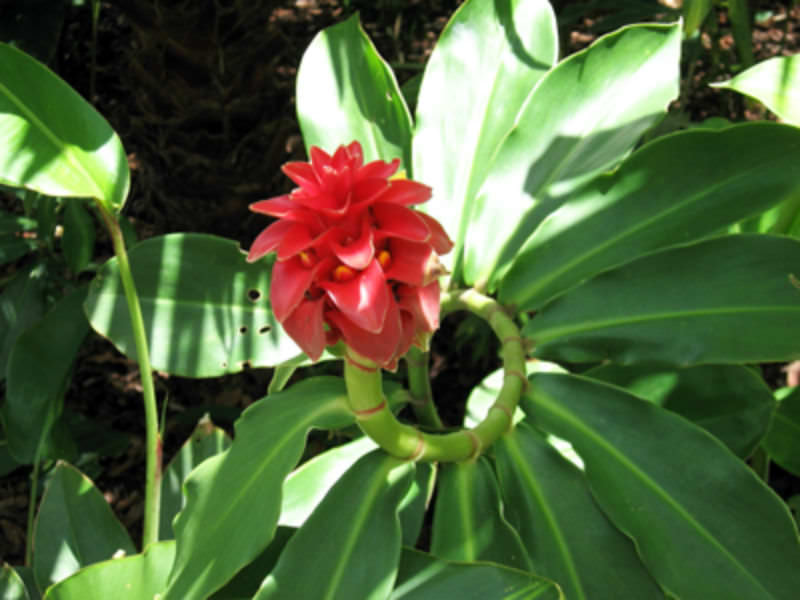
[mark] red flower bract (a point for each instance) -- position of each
(354, 261)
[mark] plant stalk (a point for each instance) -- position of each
(153, 448)
(367, 401)
(419, 384)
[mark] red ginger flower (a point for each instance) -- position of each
(354, 261)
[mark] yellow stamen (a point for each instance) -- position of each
(385, 259)
(307, 258)
(343, 273)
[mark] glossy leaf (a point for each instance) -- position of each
(206, 310)
(233, 500)
(664, 194)
(74, 528)
(137, 577)
(11, 585)
(78, 239)
(469, 524)
(26, 574)
(507, 47)
(22, 303)
(62, 148)
(774, 82)
(731, 402)
(33, 402)
(306, 486)
(583, 117)
(694, 13)
(570, 540)
(206, 441)
(783, 439)
(736, 300)
(354, 535)
(425, 577)
(346, 92)
(704, 524)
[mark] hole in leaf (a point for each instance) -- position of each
(224, 365)
(253, 295)
(243, 329)
(245, 364)
(264, 329)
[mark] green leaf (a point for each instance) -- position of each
(75, 527)
(33, 401)
(347, 92)
(12, 248)
(307, 485)
(570, 540)
(739, 15)
(582, 118)
(425, 577)
(11, 585)
(22, 303)
(54, 142)
(247, 581)
(507, 47)
(354, 536)
(79, 236)
(468, 523)
(205, 309)
(704, 524)
(233, 500)
(26, 574)
(783, 438)
(733, 299)
(206, 441)
(664, 194)
(138, 577)
(731, 402)
(774, 82)
(694, 13)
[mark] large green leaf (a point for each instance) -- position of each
(704, 524)
(731, 402)
(11, 585)
(347, 92)
(675, 190)
(233, 500)
(775, 83)
(22, 303)
(570, 540)
(354, 536)
(205, 309)
(53, 141)
(308, 485)
(425, 577)
(783, 438)
(75, 527)
(469, 524)
(206, 441)
(507, 47)
(33, 401)
(585, 115)
(732, 299)
(137, 577)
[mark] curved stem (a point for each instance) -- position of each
(368, 403)
(419, 384)
(153, 449)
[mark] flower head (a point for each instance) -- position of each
(354, 262)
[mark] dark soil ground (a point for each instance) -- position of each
(201, 94)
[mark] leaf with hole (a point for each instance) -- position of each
(206, 310)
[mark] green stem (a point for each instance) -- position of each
(419, 384)
(37, 459)
(153, 449)
(368, 403)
